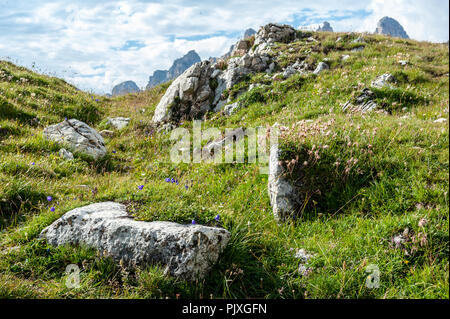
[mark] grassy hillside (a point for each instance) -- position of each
(368, 178)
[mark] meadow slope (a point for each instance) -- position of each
(369, 177)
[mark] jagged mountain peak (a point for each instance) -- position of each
(391, 27)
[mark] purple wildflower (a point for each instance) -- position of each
(168, 180)
(173, 180)
(217, 217)
(52, 209)
(185, 186)
(141, 187)
(194, 222)
(114, 152)
(49, 198)
(32, 163)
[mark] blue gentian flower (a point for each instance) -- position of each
(52, 209)
(168, 180)
(217, 217)
(49, 198)
(193, 222)
(141, 187)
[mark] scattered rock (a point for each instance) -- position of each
(440, 120)
(231, 108)
(321, 67)
(118, 122)
(383, 81)
(359, 40)
(363, 103)
(345, 57)
(107, 133)
(187, 251)
(357, 49)
(403, 62)
(79, 137)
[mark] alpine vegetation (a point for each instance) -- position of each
(303, 164)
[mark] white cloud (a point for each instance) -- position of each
(80, 41)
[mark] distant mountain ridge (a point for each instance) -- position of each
(178, 67)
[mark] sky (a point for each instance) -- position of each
(97, 44)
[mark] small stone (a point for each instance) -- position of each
(321, 67)
(65, 154)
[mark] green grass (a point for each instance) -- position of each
(392, 174)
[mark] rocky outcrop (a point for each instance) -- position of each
(189, 96)
(186, 251)
(200, 88)
(178, 67)
(325, 26)
(78, 136)
(384, 80)
(271, 33)
(391, 27)
(125, 88)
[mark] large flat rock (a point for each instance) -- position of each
(187, 251)
(78, 136)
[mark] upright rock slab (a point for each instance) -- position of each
(78, 136)
(187, 251)
(284, 196)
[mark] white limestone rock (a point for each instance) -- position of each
(78, 136)
(384, 80)
(186, 251)
(282, 193)
(321, 67)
